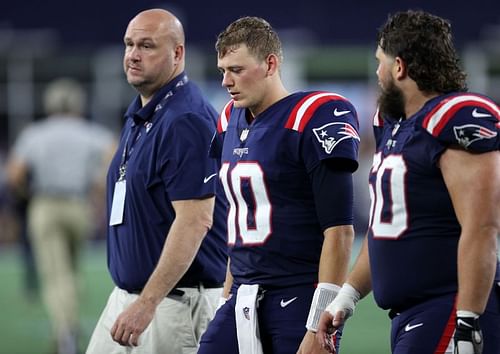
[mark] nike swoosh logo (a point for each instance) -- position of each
(206, 179)
(463, 323)
(477, 114)
(339, 113)
(288, 302)
(410, 327)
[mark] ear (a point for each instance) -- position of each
(272, 63)
(179, 52)
(400, 69)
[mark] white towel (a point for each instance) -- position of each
(247, 325)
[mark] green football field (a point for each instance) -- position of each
(24, 326)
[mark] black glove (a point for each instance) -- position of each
(468, 337)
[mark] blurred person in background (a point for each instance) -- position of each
(166, 245)
(287, 160)
(13, 222)
(430, 255)
(65, 156)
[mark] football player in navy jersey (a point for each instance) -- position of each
(287, 163)
(430, 255)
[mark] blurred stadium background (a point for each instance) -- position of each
(328, 45)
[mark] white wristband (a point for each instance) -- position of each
(464, 313)
(323, 295)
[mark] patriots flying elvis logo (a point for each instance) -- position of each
(329, 135)
(469, 133)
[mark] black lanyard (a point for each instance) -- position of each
(127, 151)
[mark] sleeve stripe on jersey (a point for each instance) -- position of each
(305, 108)
(377, 119)
(224, 117)
(437, 119)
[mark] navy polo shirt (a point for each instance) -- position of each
(166, 147)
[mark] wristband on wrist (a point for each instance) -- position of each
(468, 337)
(323, 295)
(465, 313)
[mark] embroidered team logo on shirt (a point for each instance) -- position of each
(329, 135)
(469, 133)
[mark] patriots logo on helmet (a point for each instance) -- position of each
(469, 133)
(329, 135)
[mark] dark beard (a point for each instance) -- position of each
(391, 102)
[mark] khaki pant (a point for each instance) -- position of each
(57, 228)
(176, 327)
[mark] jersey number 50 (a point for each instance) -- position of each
(388, 214)
(237, 218)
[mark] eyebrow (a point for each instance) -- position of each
(230, 67)
(141, 39)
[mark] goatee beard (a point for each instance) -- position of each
(391, 102)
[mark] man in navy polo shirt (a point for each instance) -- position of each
(161, 185)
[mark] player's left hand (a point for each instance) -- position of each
(132, 322)
(310, 345)
(468, 336)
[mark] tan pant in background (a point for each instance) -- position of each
(57, 228)
(176, 327)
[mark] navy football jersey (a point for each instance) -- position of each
(274, 235)
(414, 232)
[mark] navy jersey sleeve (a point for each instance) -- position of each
(469, 121)
(216, 145)
(332, 134)
(332, 185)
(188, 171)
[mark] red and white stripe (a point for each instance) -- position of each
(436, 120)
(224, 117)
(307, 106)
(446, 344)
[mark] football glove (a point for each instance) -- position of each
(468, 337)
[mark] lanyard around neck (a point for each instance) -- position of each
(127, 150)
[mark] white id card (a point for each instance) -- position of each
(116, 217)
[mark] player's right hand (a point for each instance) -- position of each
(468, 336)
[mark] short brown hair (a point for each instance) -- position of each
(256, 33)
